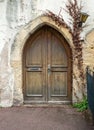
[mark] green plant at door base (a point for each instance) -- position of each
(82, 106)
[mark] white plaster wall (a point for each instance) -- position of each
(17, 13)
(3, 23)
(88, 7)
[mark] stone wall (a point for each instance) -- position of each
(88, 52)
(16, 21)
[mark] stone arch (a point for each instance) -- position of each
(18, 45)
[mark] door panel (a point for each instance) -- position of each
(59, 84)
(58, 89)
(34, 84)
(47, 68)
(58, 55)
(34, 54)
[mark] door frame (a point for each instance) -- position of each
(16, 55)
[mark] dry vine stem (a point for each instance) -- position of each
(57, 19)
(74, 11)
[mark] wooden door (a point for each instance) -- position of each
(47, 68)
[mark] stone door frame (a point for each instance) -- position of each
(17, 51)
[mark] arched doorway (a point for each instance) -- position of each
(46, 67)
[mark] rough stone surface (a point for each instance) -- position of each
(88, 51)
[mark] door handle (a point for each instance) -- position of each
(49, 68)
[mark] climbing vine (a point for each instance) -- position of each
(74, 10)
(57, 19)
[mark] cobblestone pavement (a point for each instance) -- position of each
(42, 118)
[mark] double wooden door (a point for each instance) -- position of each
(46, 68)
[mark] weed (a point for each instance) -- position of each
(82, 106)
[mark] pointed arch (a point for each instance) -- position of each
(18, 45)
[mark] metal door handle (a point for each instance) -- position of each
(49, 68)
